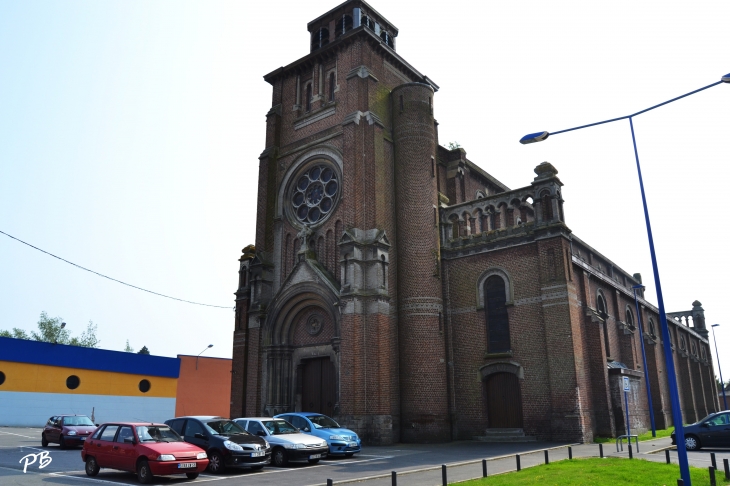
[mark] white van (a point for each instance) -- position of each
(287, 443)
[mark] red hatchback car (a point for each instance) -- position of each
(144, 448)
(67, 430)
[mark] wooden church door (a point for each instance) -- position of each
(504, 406)
(318, 386)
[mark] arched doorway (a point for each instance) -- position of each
(502, 397)
(319, 386)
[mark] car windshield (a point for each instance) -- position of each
(279, 427)
(224, 427)
(82, 420)
(323, 422)
(157, 433)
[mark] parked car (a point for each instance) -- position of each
(67, 430)
(287, 443)
(226, 443)
(148, 449)
(711, 431)
(340, 441)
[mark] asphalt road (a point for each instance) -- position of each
(416, 464)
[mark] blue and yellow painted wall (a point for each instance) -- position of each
(38, 380)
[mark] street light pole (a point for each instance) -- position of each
(198, 356)
(668, 358)
(717, 356)
(643, 357)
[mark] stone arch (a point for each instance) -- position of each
(502, 366)
(278, 327)
(508, 287)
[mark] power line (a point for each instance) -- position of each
(110, 278)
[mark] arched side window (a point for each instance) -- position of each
(630, 318)
(547, 206)
(601, 310)
(498, 339)
(652, 328)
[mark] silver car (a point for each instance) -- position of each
(287, 443)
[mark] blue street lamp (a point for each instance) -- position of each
(669, 359)
(643, 357)
(717, 356)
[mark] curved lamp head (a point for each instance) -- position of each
(638, 287)
(715, 325)
(210, 345)
(726, 78)
(534, 137)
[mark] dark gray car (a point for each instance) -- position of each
(711, 431)
(226, 443)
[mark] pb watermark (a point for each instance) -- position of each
(43, 459)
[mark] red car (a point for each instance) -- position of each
(67, 430)
(145, 448)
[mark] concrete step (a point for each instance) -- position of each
(505, 435)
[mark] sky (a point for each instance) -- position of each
(130, 133)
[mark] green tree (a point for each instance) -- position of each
(50, 330)
(454, 145)
(144, 350)
(15, 333)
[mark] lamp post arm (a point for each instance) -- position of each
(638, 112)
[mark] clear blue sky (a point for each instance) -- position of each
(130, 133)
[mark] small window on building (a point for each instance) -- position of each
(387, 38)
(2, 377)
(343, 25)
(601, 310)
(652, 328)
(144, 386)
(73, 382)
(630, 319)
(320, 38)
(308, 98)
(332, 87)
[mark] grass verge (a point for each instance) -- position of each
(645, 436)
(610, 471)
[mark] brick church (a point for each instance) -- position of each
(400, 288)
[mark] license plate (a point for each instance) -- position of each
(315, 456)
(82, 438)
(352, 444)
(258, 454)
(184, 465)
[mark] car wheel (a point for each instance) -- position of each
(144, 473)
(278, 457)
(44, 442)
(215, 464)
(256, 468)
(313, 461)
(349, 454)
(691, 443)
(92, 467)
(191, 475)
(62, 443)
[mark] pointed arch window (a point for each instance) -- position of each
(332, 87)
(601, 309)
(495, 300)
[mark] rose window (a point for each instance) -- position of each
(315, 194)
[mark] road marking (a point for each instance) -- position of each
(62, 475)
(10, 433)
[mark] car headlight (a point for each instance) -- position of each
(232, 446)
(71, 432)
(324, 443)
(166, 457)
(202, 455)
(266, 444)
(295, 446)
(336, 437)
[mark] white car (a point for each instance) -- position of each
(287, 443)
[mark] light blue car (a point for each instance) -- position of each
(340, 441)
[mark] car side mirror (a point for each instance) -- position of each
(261, 433)
(129, 440)
(306, 429)
(198, 435)
(96, 425)
(706, 425)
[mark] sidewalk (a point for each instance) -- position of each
(652, 450)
